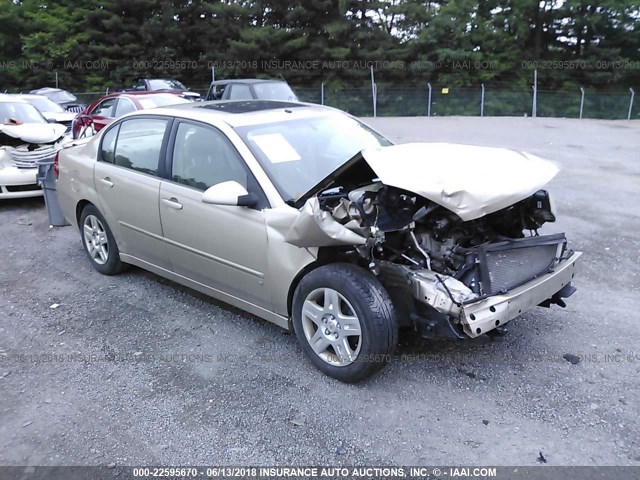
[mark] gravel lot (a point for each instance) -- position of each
(164, 375)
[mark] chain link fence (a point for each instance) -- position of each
(446, 101)
(393, 101)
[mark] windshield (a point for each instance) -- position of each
(153, 101)
(45, 105)
(298, 154)
(21, 112)
(274, 91)
(166, 84)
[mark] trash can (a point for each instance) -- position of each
(47, 181)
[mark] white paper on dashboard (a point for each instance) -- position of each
(276, 148)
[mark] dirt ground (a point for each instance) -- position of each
(134, 369)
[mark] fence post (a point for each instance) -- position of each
(429, 101)
(322, 93)
(534, 107)
(57, 79)
(482, 100)
(374, 93)
(633, 94)
(581, 100)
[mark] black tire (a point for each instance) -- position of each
(373, 309)
(112, 265)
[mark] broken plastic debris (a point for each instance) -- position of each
(571, 358)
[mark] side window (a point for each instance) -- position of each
(105, 108)
(203, 156)
(219, 91)
(240, 91)
(139, 85)
(139, 143)
(108, 145)
(216, 91)
(124, 106)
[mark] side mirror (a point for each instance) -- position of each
(229, 193)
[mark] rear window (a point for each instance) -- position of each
(274, 91)
(166, 84)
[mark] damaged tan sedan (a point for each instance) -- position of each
(304, 216)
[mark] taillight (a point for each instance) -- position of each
(56, 165)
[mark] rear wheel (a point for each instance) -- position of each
(345, 321)
(99, 243)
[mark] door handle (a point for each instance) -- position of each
(172, 203)
(107, 181)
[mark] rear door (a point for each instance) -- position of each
(127, 180)
(222, 247)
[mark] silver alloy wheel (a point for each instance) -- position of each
(95, 239)
(331, 327)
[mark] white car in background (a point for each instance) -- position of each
(50, 110)
(26, 137)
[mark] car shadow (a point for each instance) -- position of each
(14, 204)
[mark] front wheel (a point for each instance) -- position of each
(345, 321)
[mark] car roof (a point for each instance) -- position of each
(238, 113)
(249, 80)
(40, 91)
(13, 98)
(145, 93)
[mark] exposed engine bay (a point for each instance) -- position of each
(447, 262)
(455, 242)
(402, 227)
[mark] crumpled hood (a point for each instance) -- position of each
(37, 133)
(470, 181)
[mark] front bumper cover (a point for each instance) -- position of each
(23, 178)
(473, 316)
(491, 312)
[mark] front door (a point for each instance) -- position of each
(222, 247)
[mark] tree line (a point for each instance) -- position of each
(92, 45)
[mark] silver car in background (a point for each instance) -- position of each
(304, 216)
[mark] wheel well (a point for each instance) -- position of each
(326, 256)
(79, 207)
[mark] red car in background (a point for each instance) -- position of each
(106, 109)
